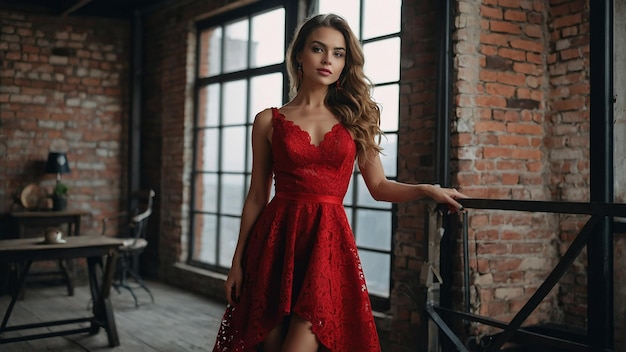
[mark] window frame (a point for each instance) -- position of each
(379, 303)
(222, 20)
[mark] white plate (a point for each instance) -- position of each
(30, 196)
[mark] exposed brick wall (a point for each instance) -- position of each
(568, 138)
(416, 150)
(64, 87)
(501, 96)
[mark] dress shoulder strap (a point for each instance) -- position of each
(275, 112)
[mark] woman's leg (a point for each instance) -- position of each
(300, 337)
(274, 340)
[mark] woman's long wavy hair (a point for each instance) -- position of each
(350, 100)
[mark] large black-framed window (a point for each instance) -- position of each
(240, 71)
(377, 24)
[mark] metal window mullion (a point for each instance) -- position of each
(220, 174)
(191, 246)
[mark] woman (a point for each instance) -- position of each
(296, 282)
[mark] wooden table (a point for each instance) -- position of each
(93, 248)
(42, 219)
(25, 219)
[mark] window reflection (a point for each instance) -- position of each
(207, 150)
(374, 11)
(265, 91)
(210, 52)
(206, 193)
(382, 60)
(388, 97)
(229, 231)
(234, 103)
(208, 105)
(233, 149)
(268, 38)
(373, 229)
(377, 269)
(233, 192)
(236, 46)
(389, 158)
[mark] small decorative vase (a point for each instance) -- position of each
(59, 203)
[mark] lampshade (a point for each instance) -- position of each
(57, 164)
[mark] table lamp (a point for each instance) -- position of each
(57, 164)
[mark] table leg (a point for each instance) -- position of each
(67, 275)
(14, 295)
(100, 293)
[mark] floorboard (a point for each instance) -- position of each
(176, 321)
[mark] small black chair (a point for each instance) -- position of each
(133, 233)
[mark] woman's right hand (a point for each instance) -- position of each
(232, 286)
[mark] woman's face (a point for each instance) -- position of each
(323, 57)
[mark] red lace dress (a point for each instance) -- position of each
(301, 257)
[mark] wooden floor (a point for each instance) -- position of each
(176, 321)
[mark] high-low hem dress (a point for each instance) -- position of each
(301, 257)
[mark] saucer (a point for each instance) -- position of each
(61, 241)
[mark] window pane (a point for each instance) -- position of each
(382, 60)
(268, 38)
(376, 267)
(207, 152)
(373, 229)
(209, 106)
(388, 97)
(233, 193)
(206, 193)
(348, 9)
(236, 46)
(229, 232)
(234, 103)
(233, 149)
(204, 235)
(210, 52)
(390, 157)
(265, 91)
(374, 11)
(347, 200)
(364, 198)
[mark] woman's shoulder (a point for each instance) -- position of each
(265, 116)
(266, 113)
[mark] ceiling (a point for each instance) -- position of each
(98, 8)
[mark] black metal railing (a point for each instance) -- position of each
(444, 316)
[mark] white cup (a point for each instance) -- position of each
(54, 235)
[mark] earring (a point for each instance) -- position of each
(299, 69)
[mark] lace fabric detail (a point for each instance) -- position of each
(301, 257)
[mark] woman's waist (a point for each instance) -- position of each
(309, 197)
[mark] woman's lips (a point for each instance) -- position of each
(324, 71)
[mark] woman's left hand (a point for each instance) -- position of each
(448, 196)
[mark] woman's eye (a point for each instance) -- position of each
(339, 54)
(317, 49)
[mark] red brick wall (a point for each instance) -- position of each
(523, 134)
(568, 138)
(74, 101)
(416, 151)
(501, 96)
